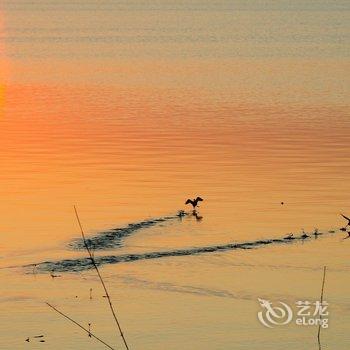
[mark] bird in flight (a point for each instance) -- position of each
(346, 218)
(194, 202)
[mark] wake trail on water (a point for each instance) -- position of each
(113, 238)
(81, 264)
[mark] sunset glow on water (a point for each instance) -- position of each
(126, 110)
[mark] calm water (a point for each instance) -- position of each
(126, 110)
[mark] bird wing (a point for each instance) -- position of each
(345, 217)
(199, 199)
(189, 201)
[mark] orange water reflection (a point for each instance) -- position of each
(126, 114)
(124, 156)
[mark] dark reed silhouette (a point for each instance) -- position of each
(194, 202)
(93, 262)
(89, 330)
(82, 327)
(321, 301)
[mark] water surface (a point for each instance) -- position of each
(126, 110)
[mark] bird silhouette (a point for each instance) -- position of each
(181, 214)
(304, 235)
(289, 236)
(348, 224)
(316, 232)
(194, 202)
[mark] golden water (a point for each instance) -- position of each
(126, 110)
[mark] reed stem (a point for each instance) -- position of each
(321, 301)
(82, 327)
(101, 280)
